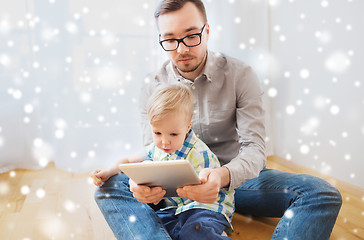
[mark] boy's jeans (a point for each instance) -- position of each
(309, 206)
(194, 224)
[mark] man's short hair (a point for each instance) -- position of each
(166, 6)
(167, 98)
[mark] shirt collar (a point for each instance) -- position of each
(186, 147)
(213, 60)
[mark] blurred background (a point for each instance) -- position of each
(70, 74)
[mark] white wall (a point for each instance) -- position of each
(70, 78)
(318, 74)
(70, 73)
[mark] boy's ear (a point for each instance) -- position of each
(189, 125)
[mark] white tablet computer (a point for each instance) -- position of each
(168, 174)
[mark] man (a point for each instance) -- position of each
(229, 118)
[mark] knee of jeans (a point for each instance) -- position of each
(323, 189)
(115, 185)
(336, 195)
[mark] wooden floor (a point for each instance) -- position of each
(53, 204)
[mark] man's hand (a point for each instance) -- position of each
(212, 181)
(146, 194)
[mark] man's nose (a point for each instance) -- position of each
(182, 48)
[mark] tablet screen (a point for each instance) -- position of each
(168, 174)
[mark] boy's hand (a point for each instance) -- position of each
(99, 177)
(146, 194)
(208, 191)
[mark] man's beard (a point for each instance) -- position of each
(192, 69)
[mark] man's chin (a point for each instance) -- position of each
(187, 69)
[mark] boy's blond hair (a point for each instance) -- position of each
(170, 97)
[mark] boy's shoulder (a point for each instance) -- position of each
(200, 148)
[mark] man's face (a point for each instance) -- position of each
(178, 24)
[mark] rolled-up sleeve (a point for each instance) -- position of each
(250, 125)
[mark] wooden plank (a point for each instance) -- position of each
(68, 210)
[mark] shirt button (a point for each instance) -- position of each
(194, 111)
(193, 87)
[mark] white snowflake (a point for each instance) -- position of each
(40, 193)
(304, 149)
(25, 190)
(69, 205)
(289, 214)
(304, 73)
(290, 109)
(337, 62)
(334, 109)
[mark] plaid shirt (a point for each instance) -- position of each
(200, 157)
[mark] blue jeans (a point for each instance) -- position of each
(308, 206)
(193, 224)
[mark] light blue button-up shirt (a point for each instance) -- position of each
(200, 157)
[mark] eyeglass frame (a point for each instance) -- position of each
(180, 40)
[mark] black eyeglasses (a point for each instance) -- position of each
(172, 44)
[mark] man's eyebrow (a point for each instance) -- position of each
(169, 34)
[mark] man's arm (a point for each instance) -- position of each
(250, 122)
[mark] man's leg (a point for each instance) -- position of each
(308, 205)
(128, 218)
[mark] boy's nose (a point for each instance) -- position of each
(165, 141)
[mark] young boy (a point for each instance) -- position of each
(170, 111)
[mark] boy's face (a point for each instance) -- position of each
(178, 24)
(170, 133)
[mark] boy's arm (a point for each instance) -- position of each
(114, 169)
(100, 176)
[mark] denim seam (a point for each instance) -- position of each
(120, 215)
(276, 190)
(161, 226)
(277, 228)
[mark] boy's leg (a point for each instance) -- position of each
(309, 205)
(170, 221)
(202, 224)
(128, 218)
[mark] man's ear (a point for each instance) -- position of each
(208, 31)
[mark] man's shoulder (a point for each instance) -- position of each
(237, 64)
(226, 60)
(233, 67)
(156, 77)
(160, 75)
